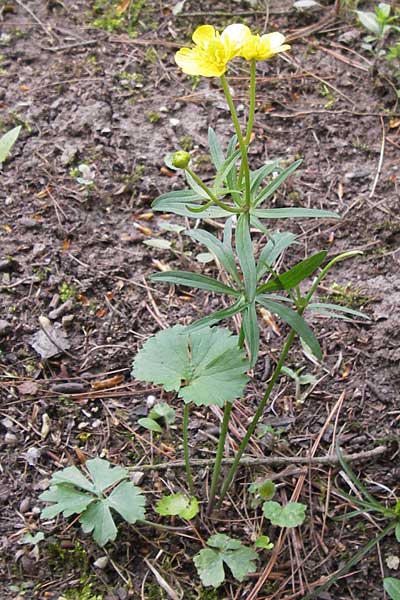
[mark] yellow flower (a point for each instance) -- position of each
(212, 50)
(260, 48)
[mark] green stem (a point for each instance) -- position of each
(252, 106)
(218, 458)
(186, 448)
(242, 145)
(228, 479)
(212, 196)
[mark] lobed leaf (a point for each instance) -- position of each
(295, 321)
(251, 331)
(277, 243)
(194, 280)
(104, 474)
(179, 202)
(293, 213)
(218, 315)
(178, 505)
(205, 367)
(67, 500)
(217, 155)
(244, 249)
(209, 562)
(271, 188)
(290, 515)
(295, 275)
(223, 253)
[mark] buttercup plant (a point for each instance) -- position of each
(236, 195)
(207, 365)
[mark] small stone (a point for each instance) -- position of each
(67, 321)
(101, 562)
(61, 310)
(5, 326)
(97, 423)
(29, 223)
(150, 401)
(11, 439)
(32, 456)
(36, 511)
(7, 423)
(9, 200)
(25, 505)
(137, 477)
(174, 122)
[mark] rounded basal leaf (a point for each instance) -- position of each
(150, 424)
(392, 587)
(264, 542)
(178, 505)
(290, 515)
(209, 562)
(205, 367)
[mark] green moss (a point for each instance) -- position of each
(348, 295)
(153, 117)
(67, 291)
(186, 143)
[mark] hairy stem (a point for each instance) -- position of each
(231, 473)
(210, 194)
(242, 144)
(218, 458)
(186, 448)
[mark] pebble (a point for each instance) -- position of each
(10, 439)
(7, 423)
(174, 122)
(61, 310)
(29, 223)
(25, 505)
(150, 401)
(67, 321)
(137, 477)
(101, 562)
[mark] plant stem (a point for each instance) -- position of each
(228, 479)
(252, 106)
(242, 145)
(186, 448)
(218, 458)
(212, 196)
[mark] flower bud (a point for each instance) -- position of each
(181, 159)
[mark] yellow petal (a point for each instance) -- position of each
(233, 38)
(203, 35)
(189, 60)
(274, 40)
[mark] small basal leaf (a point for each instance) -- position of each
(104, 474)
(128, 500)
(205, 367)
(264, 542)
(210, 562)
(210, 567)
(290, 515)
(178, 505)
(369, 21)
(66, 499)
(150, 424)
(98, 519)
(33, 539)
(73, 476)
(397, 532)
(392, 587)
(162, 410)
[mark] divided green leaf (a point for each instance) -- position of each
(205, 367)
(290, 515)
(71, 493)
(178, 505)
(224, 550)
(194, 280)
(295, 275)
